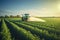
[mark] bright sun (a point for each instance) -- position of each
(58, 6)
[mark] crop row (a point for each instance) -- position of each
(42, 33)
(20, 33)
(50, 30)
(4, 33)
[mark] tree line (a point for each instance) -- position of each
(11, 16)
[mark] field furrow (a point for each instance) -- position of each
(50, 30)
(5, 33)
(16, 29)
(42, 33)
(19, 33)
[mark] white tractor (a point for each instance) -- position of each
(25, 17)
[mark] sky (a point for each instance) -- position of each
(41, 8)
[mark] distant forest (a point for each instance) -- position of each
(11, 16)
(18, 16)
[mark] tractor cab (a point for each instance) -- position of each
(25, 17)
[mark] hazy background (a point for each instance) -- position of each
(43, 8)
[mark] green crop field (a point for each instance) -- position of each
(15, 29)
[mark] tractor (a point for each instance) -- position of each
(25, 17)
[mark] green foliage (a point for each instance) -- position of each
(26, 34)
(37, 31)
(43, 27)
(5, 34)
(49, 30)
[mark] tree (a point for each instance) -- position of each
(11, 16)
(6, 16)
(18, 16)
(1, 16)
